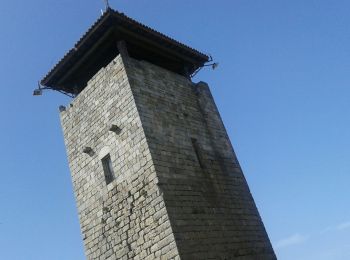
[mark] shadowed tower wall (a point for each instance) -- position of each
(178, 191)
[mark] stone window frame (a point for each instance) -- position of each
(198, 151)
(107, 165)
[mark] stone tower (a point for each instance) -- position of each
(154, 172)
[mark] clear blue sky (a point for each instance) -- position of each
(283, 89)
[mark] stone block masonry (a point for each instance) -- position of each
(178, 191)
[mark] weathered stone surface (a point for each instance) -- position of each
(179, 192)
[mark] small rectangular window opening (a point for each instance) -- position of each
(198, 152)
(108, 169)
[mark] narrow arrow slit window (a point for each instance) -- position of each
(108, 169)
(198, 152)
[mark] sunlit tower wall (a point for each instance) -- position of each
(154, 173)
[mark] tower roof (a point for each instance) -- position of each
(98, 46)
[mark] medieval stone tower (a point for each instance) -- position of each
(154, 172)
